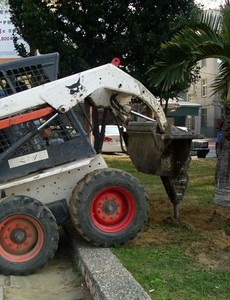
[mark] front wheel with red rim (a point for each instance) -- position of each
(108, 207)
(28, 235)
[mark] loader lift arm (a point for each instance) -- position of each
(101, 84)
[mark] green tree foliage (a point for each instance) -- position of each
(88, 33)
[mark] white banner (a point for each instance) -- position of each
(7, 49)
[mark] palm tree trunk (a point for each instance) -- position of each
(222, 176)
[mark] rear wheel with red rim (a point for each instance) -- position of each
(108, 207)
(28, 235)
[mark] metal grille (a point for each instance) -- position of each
(58, 131)
(10, 135)
(5, 89)
(21, 79)
(20, 75)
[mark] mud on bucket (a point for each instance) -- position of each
(157, 153)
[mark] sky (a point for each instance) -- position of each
(212, 4)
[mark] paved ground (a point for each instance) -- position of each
(212, 146)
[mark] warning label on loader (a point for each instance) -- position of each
(28, 159)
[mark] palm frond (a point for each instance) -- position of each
(171, 65)
(176, 58)
(210, 19)
(225, 11)
(211, 50)
(222, 81)
(197, 35)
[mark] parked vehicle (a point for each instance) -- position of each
(113, 141)
(199, 147)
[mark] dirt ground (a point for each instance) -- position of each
(203, 231)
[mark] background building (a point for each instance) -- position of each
(210, 115)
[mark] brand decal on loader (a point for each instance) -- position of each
(76, 87)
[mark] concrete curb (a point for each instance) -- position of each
(105, 276)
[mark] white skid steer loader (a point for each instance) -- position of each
(50, 173)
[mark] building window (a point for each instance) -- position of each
(204, 86)
(204, 117)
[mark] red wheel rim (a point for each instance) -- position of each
(21, 238)
(112, 209)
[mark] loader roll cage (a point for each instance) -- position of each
(22, 135)
(17, 76)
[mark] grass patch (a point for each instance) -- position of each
(170, 274)
(200, 189)
(201, 179)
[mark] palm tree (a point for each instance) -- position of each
(206, 36)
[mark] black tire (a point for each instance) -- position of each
(108, 207)
(201, 155)
(28, 235)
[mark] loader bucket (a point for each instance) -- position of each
(164, 154)
(160, 154)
